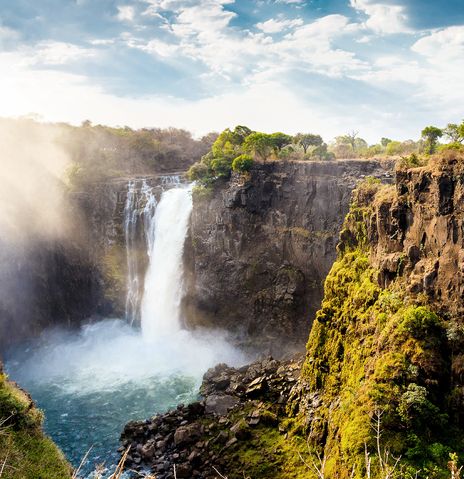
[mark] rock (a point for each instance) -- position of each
(183, 471)
(148, 451)
(220, 405)
(269, 241)
(241, 430)
(256, 386)
(187, 434)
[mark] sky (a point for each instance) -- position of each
(382, 68)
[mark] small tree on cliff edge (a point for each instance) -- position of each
(430, 135)
(308, 139)
(259, 144)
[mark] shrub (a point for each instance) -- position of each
(242, 163)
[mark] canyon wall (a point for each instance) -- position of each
(385, 351)
(260, 247)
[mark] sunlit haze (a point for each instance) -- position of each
(381, 67)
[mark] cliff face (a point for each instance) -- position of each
(260, 248)
(385, 351)
(418, 229)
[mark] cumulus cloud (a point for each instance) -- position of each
(383, 18)
(442, 45)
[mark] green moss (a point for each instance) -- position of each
(114, 272)
(372, 352)
(26, 451)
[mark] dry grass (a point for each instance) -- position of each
(118, 472)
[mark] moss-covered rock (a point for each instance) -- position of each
(25, 451)
(377, 376)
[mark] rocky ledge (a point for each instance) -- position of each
(199, 440)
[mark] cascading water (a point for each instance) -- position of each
(130, 230)
(140, 209)
(92, 382)
(163, 281)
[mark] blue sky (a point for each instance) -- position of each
(384, 68)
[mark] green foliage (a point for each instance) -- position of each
(412, 161)
(430, 135)
(279, 140)
(454, 132)
(242, 163)
(260, 145)
(307, 140)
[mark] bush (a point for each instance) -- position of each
(242, 163)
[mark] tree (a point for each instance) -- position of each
(280, 140)
(308, 139)
(259, 144)
(350, 139)
(242, 163)
(454, 132)
(431, 134)
(385, 141)
(240, 133)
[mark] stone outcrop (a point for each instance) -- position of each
(418, 231)
(261, 246)
(199, 439)
(385, 351)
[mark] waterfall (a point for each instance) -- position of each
(130, 228)
(140, 204)
(163, 280)
(155, 301)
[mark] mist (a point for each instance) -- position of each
(32, 169)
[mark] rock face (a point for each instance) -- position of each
(200, 439)
(260, 248)
(386, 347)
(45, 284)
(418, 230)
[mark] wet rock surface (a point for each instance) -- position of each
(194, 440)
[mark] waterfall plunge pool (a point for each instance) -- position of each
(92, 382)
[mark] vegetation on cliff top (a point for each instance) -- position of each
(25, 452)
(237, 149)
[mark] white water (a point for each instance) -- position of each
(163, 281)
(130, 228)
(92, 382)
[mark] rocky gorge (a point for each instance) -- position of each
(380, 388)
(261, 245)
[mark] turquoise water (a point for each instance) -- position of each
(92, 382)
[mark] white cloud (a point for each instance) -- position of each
(442, 46)
(275, 26)
(383, 18)
(126, 13)
(59, 53)
(203, 32)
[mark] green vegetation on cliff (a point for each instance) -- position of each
(237, 149)
(376, 379)
(25, 452)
